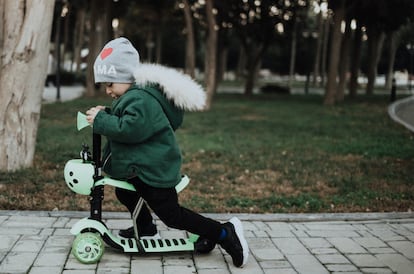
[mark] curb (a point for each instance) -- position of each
(393, 108)
(276, 217)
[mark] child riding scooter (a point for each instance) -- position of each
(149, 103)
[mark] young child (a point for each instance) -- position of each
(149, 102)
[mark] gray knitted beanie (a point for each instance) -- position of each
(116, 63)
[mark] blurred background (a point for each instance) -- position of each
(271, 46)
(275, 146)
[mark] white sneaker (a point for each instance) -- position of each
(235, 244)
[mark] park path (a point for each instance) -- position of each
(402, 111)
(39, 242)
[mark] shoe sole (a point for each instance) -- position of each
(238, 227)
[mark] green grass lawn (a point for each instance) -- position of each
(266, 153)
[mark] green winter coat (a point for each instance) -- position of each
(140, 128)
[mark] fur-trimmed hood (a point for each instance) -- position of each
(178, 87)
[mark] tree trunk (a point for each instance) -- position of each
(241, 63)
(158, 41)
(97, 38)
(222, 63)
(254, 55)
(2, 19)
(190, 47)
(343, 68)
(251, 77)
(317, 61)
(222, 54)
(355, 59)
(65, 42)
(293, 55)
(334, 54)
(149, 43)
(79, 34)
(326, 27)
(393, 39)
(27, 26)
(375, 42)
(211, 54)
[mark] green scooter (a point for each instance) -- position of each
(84, 176)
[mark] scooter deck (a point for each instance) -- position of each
(156, 245)
(133, 245)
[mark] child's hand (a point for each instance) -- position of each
(91, 113)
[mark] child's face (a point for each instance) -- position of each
(115, 90)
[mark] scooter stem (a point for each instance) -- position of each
(97, 194)
(96, 152)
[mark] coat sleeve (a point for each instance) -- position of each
(139, 119)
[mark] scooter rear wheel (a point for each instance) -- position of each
(88, 247)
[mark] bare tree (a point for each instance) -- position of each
(24, 54)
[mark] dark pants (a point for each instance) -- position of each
(164, 203)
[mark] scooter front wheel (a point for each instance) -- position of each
(88, 247)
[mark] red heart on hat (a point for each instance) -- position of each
(106, 52)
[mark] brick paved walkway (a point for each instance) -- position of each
(40, 242)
